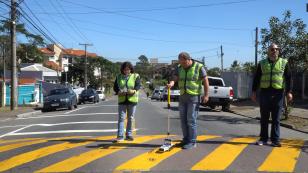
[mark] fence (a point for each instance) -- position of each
(241, 83)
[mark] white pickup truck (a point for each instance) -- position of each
(219, 94)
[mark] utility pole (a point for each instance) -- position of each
(222, 59)
(3, 99)
(85, 63)
(256, 48)
(14, 85)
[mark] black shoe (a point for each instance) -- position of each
(181, 144)
(276, 144)
(129, 138)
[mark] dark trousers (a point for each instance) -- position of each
(270, 104)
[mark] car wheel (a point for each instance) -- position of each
(70, 107)
(226, 107)
(75, 106)
(212, 106)
(44, 110)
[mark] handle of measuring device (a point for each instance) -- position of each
(168, 98)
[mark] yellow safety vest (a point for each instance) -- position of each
(272, 73)
(128, 83)
(189, 81)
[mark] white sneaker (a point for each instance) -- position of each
(260, 143)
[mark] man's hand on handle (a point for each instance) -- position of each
(170, 84)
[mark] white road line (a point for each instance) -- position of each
(64, 131)
(6, 120)
(82, 122)
(74, 110)
(8, 134)
(104, 106)
(67, 115)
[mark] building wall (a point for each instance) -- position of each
(26, 94)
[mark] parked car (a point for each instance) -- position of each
(219, 94)
(174, 94)
(88, 95)
(78, 92)
(101, 95)
(156, 94)
(60, 98)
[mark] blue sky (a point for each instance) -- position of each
(124, 30)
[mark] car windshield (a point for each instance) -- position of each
(99, 92)
(87, 92)
(59, 91)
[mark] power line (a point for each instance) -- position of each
(54, 21)
(39, 22)
(29, 20)
(85, 38)
(164, 8)
(157, 21)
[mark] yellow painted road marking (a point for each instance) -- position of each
(20, 144)
(148, 160)
(224, 155)
(18, 140)
(42, 152)
(78, 161)
(283, 159)
(27, 143)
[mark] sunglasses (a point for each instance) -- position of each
(273, 49)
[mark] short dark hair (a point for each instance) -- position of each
(127, 64)
(184, 55)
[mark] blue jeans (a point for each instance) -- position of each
(271, 102)
(130, 110)
(189, 108)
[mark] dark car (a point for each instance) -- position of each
(60, 98)
(88, 95)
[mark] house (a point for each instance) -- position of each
(48, 74)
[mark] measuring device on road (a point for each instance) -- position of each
(167, 142)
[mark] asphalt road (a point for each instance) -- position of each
(81, 141)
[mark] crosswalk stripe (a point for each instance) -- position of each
(148, 160)
(224, 155)
(78, 161)
(17, 140)
(283, 159)
(42, 152)
(27, 143)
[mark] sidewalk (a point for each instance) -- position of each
(298, 118)
(6, 113)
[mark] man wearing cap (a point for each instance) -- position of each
(190, 75)
(273, 77)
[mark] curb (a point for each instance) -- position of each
(27, 114)
(281, 123)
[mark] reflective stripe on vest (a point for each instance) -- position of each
(128, 84)
(272, 74)
(189, 81)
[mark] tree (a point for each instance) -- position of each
(26, 52)
(235, 66)
(29, 53)
(215, 72)
(143, 60)
(292, 38)
(249, 67)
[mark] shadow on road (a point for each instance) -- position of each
(227, 119)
